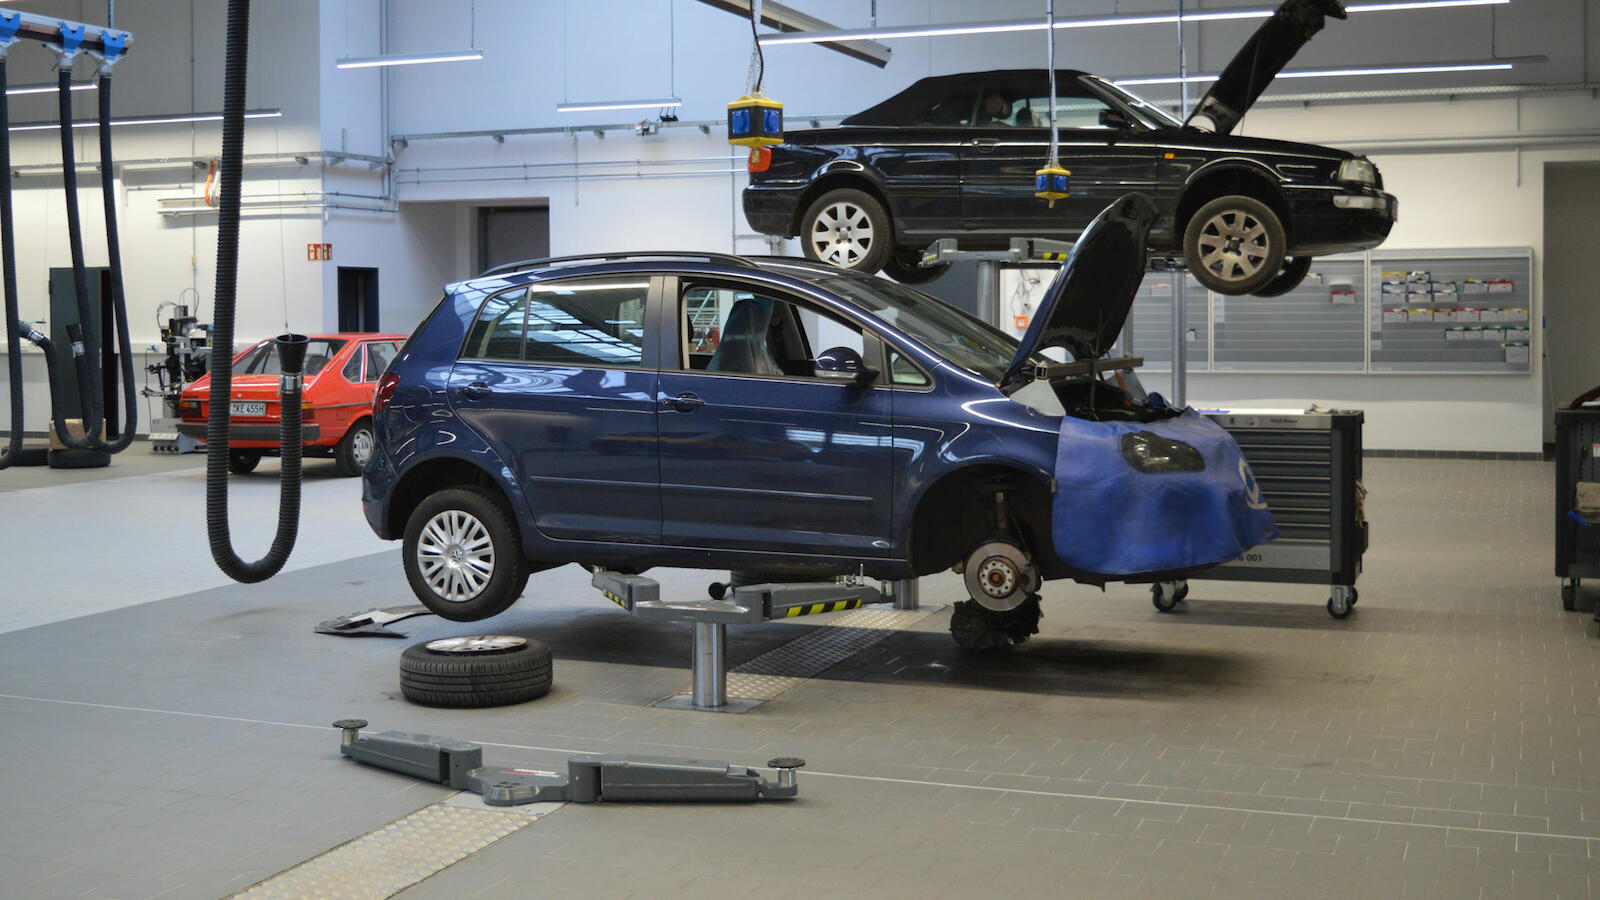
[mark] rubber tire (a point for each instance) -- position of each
(882, 249)
(510, 571)
(1163, 603)
(1569, 595)
(979, 630)
(1337, 615)
(243, 462)
(474, 680)
(32, 456)
(79, 459)
(1277, 243)
(1295, 270)
(903, 267)
(344, 454)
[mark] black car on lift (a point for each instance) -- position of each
(955, 155)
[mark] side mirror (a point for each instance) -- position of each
(844, 364)
(1115, 118)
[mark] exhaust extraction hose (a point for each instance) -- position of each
(8, 271)
(291, 348)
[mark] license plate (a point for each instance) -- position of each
(248, 409)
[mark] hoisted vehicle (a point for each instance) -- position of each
(787, 420)
(955, 156)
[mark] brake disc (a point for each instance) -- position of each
(999, 575)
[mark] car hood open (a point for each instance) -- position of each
(1087, 304)
(1259, 61)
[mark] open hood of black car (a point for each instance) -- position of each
(1088, 302)
(1259, 61)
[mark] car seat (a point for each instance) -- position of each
(744, 348)
(1025, 118)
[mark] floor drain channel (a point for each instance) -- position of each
(385, 862)
(787, 666)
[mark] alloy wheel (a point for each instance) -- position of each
(1234, 245)
(455, 555)
(842, 235)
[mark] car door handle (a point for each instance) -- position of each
(984, 145)
(477, 390)
(684, 403)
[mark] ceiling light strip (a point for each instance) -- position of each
(152, 120)
(1018, 25)
(48, 88)
(588, 105)
(410, 59)
(1331, 73)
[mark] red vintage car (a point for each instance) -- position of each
(341, 373)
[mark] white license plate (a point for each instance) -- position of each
(248, 409)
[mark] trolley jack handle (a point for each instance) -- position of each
(590, 778)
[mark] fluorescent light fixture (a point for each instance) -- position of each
(412, 59)
(152, 120)
(586, 106)
(1015, 25)
(1331, 73)
(49, 88)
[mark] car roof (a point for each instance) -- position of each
(653, 261)
(914, 98)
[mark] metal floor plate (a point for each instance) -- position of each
(385, 862)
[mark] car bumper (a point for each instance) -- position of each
(1339, 221)
(248, 433)
(377, 486)
(773, 208)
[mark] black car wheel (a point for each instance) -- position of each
(904, 267)
(979, 630)
(354, 449)
(243, 462)
(1234, 245)
(475, 671)
(849, 229)
(1295, 270)
(463, 556)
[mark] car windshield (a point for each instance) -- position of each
(262, 359)
(947, 331)
(1157, 116)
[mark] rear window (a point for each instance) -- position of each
(263, 357)
(582, 322)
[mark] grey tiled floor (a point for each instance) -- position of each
(1440, 743)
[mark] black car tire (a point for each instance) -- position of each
(478, 513)
(1295, 270)
(478, 674)
(79, 459)
(1209, 247)
(903, 267)
(978, 630)
(243, 462)
(848, 208)
(347, 454)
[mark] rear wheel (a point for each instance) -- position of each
(462, 554)
(354, 449)
(1295, 270)
(243, 462)
(904, 266)
(847, 228)
(1234, 244)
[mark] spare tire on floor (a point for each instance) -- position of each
(475, 671)
(79, 459)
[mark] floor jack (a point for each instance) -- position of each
(590, 778)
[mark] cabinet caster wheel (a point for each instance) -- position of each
(1166, 595)
(1569, 595)
(1342, 602)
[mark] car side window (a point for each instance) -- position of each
(352, 368)
(587, 322)
(498, 332)
(955, 109)
(379, 355)
(904, 372)
(1076, 107)
(741, 332)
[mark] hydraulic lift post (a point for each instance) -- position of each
(1023, 252)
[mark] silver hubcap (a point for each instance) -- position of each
(361, 446)
(1233, 245)
(842, 235)
(455, 555)
(478, 643)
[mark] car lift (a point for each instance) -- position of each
(590, 778)
(1023, 253)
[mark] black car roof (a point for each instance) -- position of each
(924, 92)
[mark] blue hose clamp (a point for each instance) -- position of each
(71, 40)
(9, 26)
(115, 44)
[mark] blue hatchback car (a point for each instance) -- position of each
(777, 418)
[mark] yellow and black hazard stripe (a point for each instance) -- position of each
(1053, 256)
(812, 609)
(614, 598)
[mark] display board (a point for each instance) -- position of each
(1315, 327)
(1443, 312)
(1149, 329)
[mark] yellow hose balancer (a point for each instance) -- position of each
(1050, 183)
(755, 120)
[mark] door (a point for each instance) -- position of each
(358, 299)
(555, 377)
(1011, 141)
(511, 234)
(760, 451)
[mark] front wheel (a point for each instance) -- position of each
(354, 449)
(849, 229)
(463, 556)
(243, 462)
(1234, 245)
(979, 630)
(906, 267)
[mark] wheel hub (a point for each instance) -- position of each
(1000, 575)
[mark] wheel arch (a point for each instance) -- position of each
(964, 495)
(431, 476)
(841, 174)
(1219, 179)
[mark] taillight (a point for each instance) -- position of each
(188, 409)
(760, 159)
(385, 392)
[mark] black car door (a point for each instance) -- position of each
(1103, 149)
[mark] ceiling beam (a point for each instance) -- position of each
(782, 18)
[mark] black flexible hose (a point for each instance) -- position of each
(8, 271)
(108, 196)
(85, 347)
(291, 348)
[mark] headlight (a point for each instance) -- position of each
(1358, 171)
(1149, 452)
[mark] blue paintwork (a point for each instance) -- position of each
(786, 472)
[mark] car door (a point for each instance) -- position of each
(1099, 145)
(758, 451)
(556, 377)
